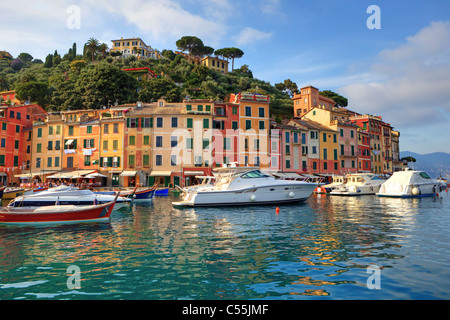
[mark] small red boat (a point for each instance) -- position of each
(57, 214)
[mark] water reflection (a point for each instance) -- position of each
(320, 248)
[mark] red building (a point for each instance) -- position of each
(364, 163)
(15, 139)
(225, 141)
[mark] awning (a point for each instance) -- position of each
(95, 175)
(2, 174)
(69, 142)
(194, 173)
(70, 175)
(33, 174)
(128, 174)
(160, 173)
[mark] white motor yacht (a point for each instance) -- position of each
(338, 182)
(246, 186)
(64, 195)
(359, 184)
(410, 183)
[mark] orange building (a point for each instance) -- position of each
(309, 98)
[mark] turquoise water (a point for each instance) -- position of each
(320, 249)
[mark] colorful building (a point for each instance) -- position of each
(15, 137)
(309, 98)
(135, 47)
(286, 154)
(254, 129)
(364, 162)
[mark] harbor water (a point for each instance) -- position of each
(326, 248)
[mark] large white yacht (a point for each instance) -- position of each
(246, 186)
(359, 184)
(410, 183)
(64, 195)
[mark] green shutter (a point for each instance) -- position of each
(92, 143)
(151, 122)
(128, 122)
(84, 143)
(118, 161)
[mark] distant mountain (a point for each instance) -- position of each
(435, 164)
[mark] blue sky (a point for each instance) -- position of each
(401, 71)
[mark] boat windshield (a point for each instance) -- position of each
(254, 174)
(424, 175)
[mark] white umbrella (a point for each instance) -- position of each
(95, 175)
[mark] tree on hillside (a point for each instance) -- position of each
(189, 44)
(340, 100)
(92, 46)
(105, 82)
(230, 53)
(103, 48)
(48, 61)
(34, 91)
(25, 57)
(287, 86)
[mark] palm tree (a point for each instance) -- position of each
(93, 46)
(103, 48)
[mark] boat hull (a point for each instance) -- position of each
(407, 191)
(358, 191)
(54, 215)
(250, 196)
(144, 195)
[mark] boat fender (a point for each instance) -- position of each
(358, 190)
(253, 198)
(291, 194)
(277, 210)
(416, 191)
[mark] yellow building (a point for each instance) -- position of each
(135, 47)
(215, 63)
(112, 135)
(47, 147)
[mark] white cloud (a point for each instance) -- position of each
(415, 90)
(269, 6)
(249, 35)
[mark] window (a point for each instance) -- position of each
(248, 111)
(19, 115)
(58, 129)
(106, 128)
(353, 150)
(173, 141)
(205, 123)
(303, 138)
(159, 141)
(50, 145)
(325, 153)
(115, 128)
(234, 125)
(189, 143)
(39, 133)
(190, 123)
(87, 160)
(56, 161)
(248, 124)
(334, 138)
(69, 162)
(274, 162)
(288, 149)
(16, 160)
(256, 144)
(116, 162)
(131, 160)
(288, 164)
(3, 143)
(50, 130)
(146, 160)
(256, 161)
(132, 140)
(11, 114)
(335, 154)
(198, 161)
(287, 137)
(159, 122)
(173, 160)
(325, 166)
(200, 107)
(70, 131)
(226, 144)
(16, 144)
(205, 143)
(39, 148)
(314, 150)
(105, 144)
(341, 132)
(146, 122)
(131, 123)
(261, 112)
(57, 145)
(188, 107)
(274, 146)
(295, 135)
(174, 122)
(234, 110)
(324, 137)
(89, 129)
(352, 134)
(4, 125)
(158, 160)
(88, 143)
(208, 108)
(18, 129)
(262, 125)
